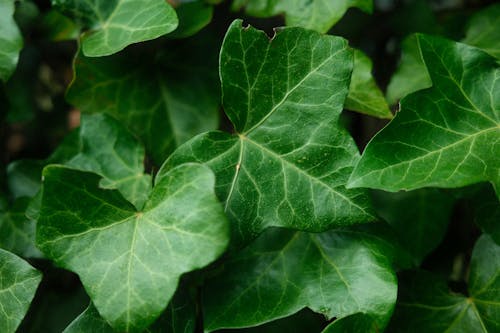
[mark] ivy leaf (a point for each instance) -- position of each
(17, 232)
(419, 218)
(193, 16)
(11, 40)
(445, 136)
(115, 24)
(130, 261)
(484, 30)
(289, 160)
(358, 322)
(426, 305)
(284, 271)
(164, 103)
(18, 284)
(411, 75)
(318, 15)
(364, 95)
(108, 149)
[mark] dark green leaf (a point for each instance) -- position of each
(58, 27)
(164, 103)
(193, 16)
(18, 284)
(364, 94)
(24, 177)
(484, 30)
(115, 24)
(356, 323)
(420, 218)
(445, 136)
(11, 40)
(426, 305)
(318, 15)
(337, 273)
(289, 161)
(17, 232)
(130, 261)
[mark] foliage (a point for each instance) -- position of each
(168, 167)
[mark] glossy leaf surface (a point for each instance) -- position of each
(284, 271)
(115, 24)
(445, 136)
(426, 305)
(11, 40)
(18, 284)
(319, 15)
(289, 161)
(130, 261)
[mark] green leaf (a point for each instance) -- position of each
(318, 15)
(17, 232)
(426, 305)
(108, 149)
(364, 94)
(18, 284)
(289, 160)
(193, 16)
(130, 261)
(411, 75)
(11, 40)
(24, 177)
(58, 27)
(484, 30)
(178, 318)
(420, 218)
(445, 136)
(336, 273)
(164, 103)
(115, 24)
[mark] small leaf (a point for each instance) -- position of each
(420, 218)
(318, 15)
(358, 322)
(411, 75)
(11, 40)
(426, 305)
(193, 16)
(17, 232)
(129, 261)
(164, 103)
(18, 284)
(484, 30)
(289, 161)
(364, 94)
(115, 24)
(284, 271)
(445, 136)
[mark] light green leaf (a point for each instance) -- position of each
(426, 305)
(419, 218)
(108, 149)
(445, 136)
(484, 30)
(164, 103)
(364, 95)
(11, 40)
(318, 15)
(336, 273)
(115, 24)
(17, 232)
(411, 75)
(18, 284)
(289, 160)
(130, 261)
(356, 323)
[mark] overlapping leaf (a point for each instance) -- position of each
(336, 273)
(130, 261)
(11, 40)
(115, 24)
(445, 136)
(289, 160)
(426, 305)
(164, 102)
(484, 30)
(318, 15)
(364, 95)
(18, 284)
